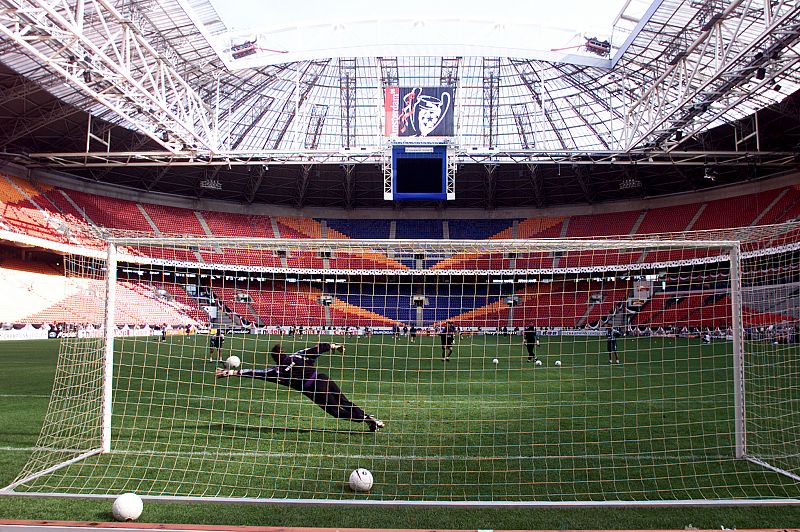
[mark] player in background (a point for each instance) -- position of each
(447, 338)
(531, 339)
(215, 345)
(298, 372)
(164, 332)
(413, 333)
(611, 343)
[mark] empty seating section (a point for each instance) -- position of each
(111, 212)
(551, 304)
(446, 301)
(48, 212)
(373, 261)
(361, 229)
(467, 261)
(238, 225)
(174, 220)
(668, 219)
(549, 227)
(477, 229)
(296, 227)
(189, 305)
(242, 256)
(343, 313)
(20, 215)
(608, 224)
(392, 300)
(419, 229)
(304, 259)
(734, 212)
(47, 297)
(237, 301)
(494, 314)
(288, 306)
(786, 208)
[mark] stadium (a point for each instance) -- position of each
(528, 266)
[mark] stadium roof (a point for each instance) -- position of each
(671, 72)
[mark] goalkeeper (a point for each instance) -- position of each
(297, 371)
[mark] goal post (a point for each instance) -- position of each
(652, 369)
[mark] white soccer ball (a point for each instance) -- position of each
(232, 362)
(538, 362)
(361, 480)
(495, 361)
(558, 362)
(127, 507)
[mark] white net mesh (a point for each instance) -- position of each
(635, 397)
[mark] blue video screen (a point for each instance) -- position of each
(419, 172)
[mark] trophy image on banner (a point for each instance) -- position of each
(422, 114)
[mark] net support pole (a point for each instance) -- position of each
(108, 350)
(738, 351)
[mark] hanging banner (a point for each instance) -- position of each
(419, 111)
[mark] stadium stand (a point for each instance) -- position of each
(361, 229)
(419, 229)
(231, 224)
(477, 229)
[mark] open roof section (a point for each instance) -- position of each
(261, 33)
(694, 64)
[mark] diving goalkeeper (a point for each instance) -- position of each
(297, 371)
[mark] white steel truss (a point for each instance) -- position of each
(92, 45)
(712, 68)
(382, 157)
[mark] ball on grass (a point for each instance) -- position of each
(538, 362)
(558, 362)
(495, 361)
(232, 362)
(127, 507)
(361, 480)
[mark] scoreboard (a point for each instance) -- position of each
(419, 172)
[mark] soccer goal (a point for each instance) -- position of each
(655, 369)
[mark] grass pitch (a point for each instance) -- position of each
(660, 426)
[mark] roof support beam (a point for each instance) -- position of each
(490, 185)
(113, 64)
(255, 183)
(349, 185)
(708, 78)
(302, 185)
(537, 185)
(29, 123)
(540, 157)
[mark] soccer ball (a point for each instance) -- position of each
(495, 361)
(558, 362)
(232, 362)
(538, 362)
(127, 507)
(361, 480)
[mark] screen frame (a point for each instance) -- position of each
(419, 151)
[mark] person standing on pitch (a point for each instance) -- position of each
(611, 342)
(298, 372)
(531, 340)
(447, 337)
(215, 345)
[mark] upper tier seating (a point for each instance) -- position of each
(47, 212)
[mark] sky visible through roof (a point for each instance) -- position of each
(549, 25)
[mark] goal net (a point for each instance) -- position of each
(656, 368)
